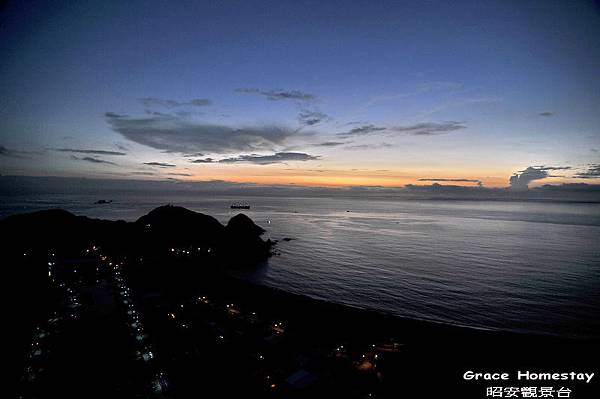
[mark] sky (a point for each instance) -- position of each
(318, 93)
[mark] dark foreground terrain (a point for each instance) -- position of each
(102, 309)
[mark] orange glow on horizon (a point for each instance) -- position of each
(308, 180)
(345, 174)
(334, 179)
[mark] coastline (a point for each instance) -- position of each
(202, 324)
(430, 351)
(414, 329)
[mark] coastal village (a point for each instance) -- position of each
(198, 343)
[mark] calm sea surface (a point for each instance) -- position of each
(521, 266)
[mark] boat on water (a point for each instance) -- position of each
(239, 206)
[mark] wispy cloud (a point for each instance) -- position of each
(279, 157)
(160, 164)
(546, 113)
(455, 103)
(592, 172)
(306, 116)
(121, 147)
(418, 129)
(421, 89)
(329, 144)
(12, 153)
(479, 182)
(278, 95)
(143, 173)
(179, 174)
(92, 160)
(430, 128)
(548, 168)
(4, 151)
(203, 160)
(368, 146)
(172, 133)
(166, 103)
(311, 117)
(362, 130)
(93, 152)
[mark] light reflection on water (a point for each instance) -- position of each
(526, 266)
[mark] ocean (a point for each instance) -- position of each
(520, 266)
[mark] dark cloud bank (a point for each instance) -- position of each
(521, 179)
(172, 133)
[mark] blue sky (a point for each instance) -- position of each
(302, 92)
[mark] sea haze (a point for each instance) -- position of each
(524, 266)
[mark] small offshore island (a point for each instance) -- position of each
(113, 309)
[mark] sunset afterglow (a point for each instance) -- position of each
(364, 94)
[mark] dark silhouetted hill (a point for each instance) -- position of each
(176, 226)
(165, 227)
(242, 241)
(241, 224)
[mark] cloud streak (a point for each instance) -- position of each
(593, 172)
(5, 152)
(203, 160)
(362, 130)
(151, 102)
(418, 129)
(279, 95)
(329, 144)
(92, 160)
(172, 133)
(479, 182)
(430, 128)
(548, 168)
(279, 157)
(368, 146)
(12, 153)
(311, 118)
(143, 173)
(92, 152)
(160, 164)
(179, 174)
